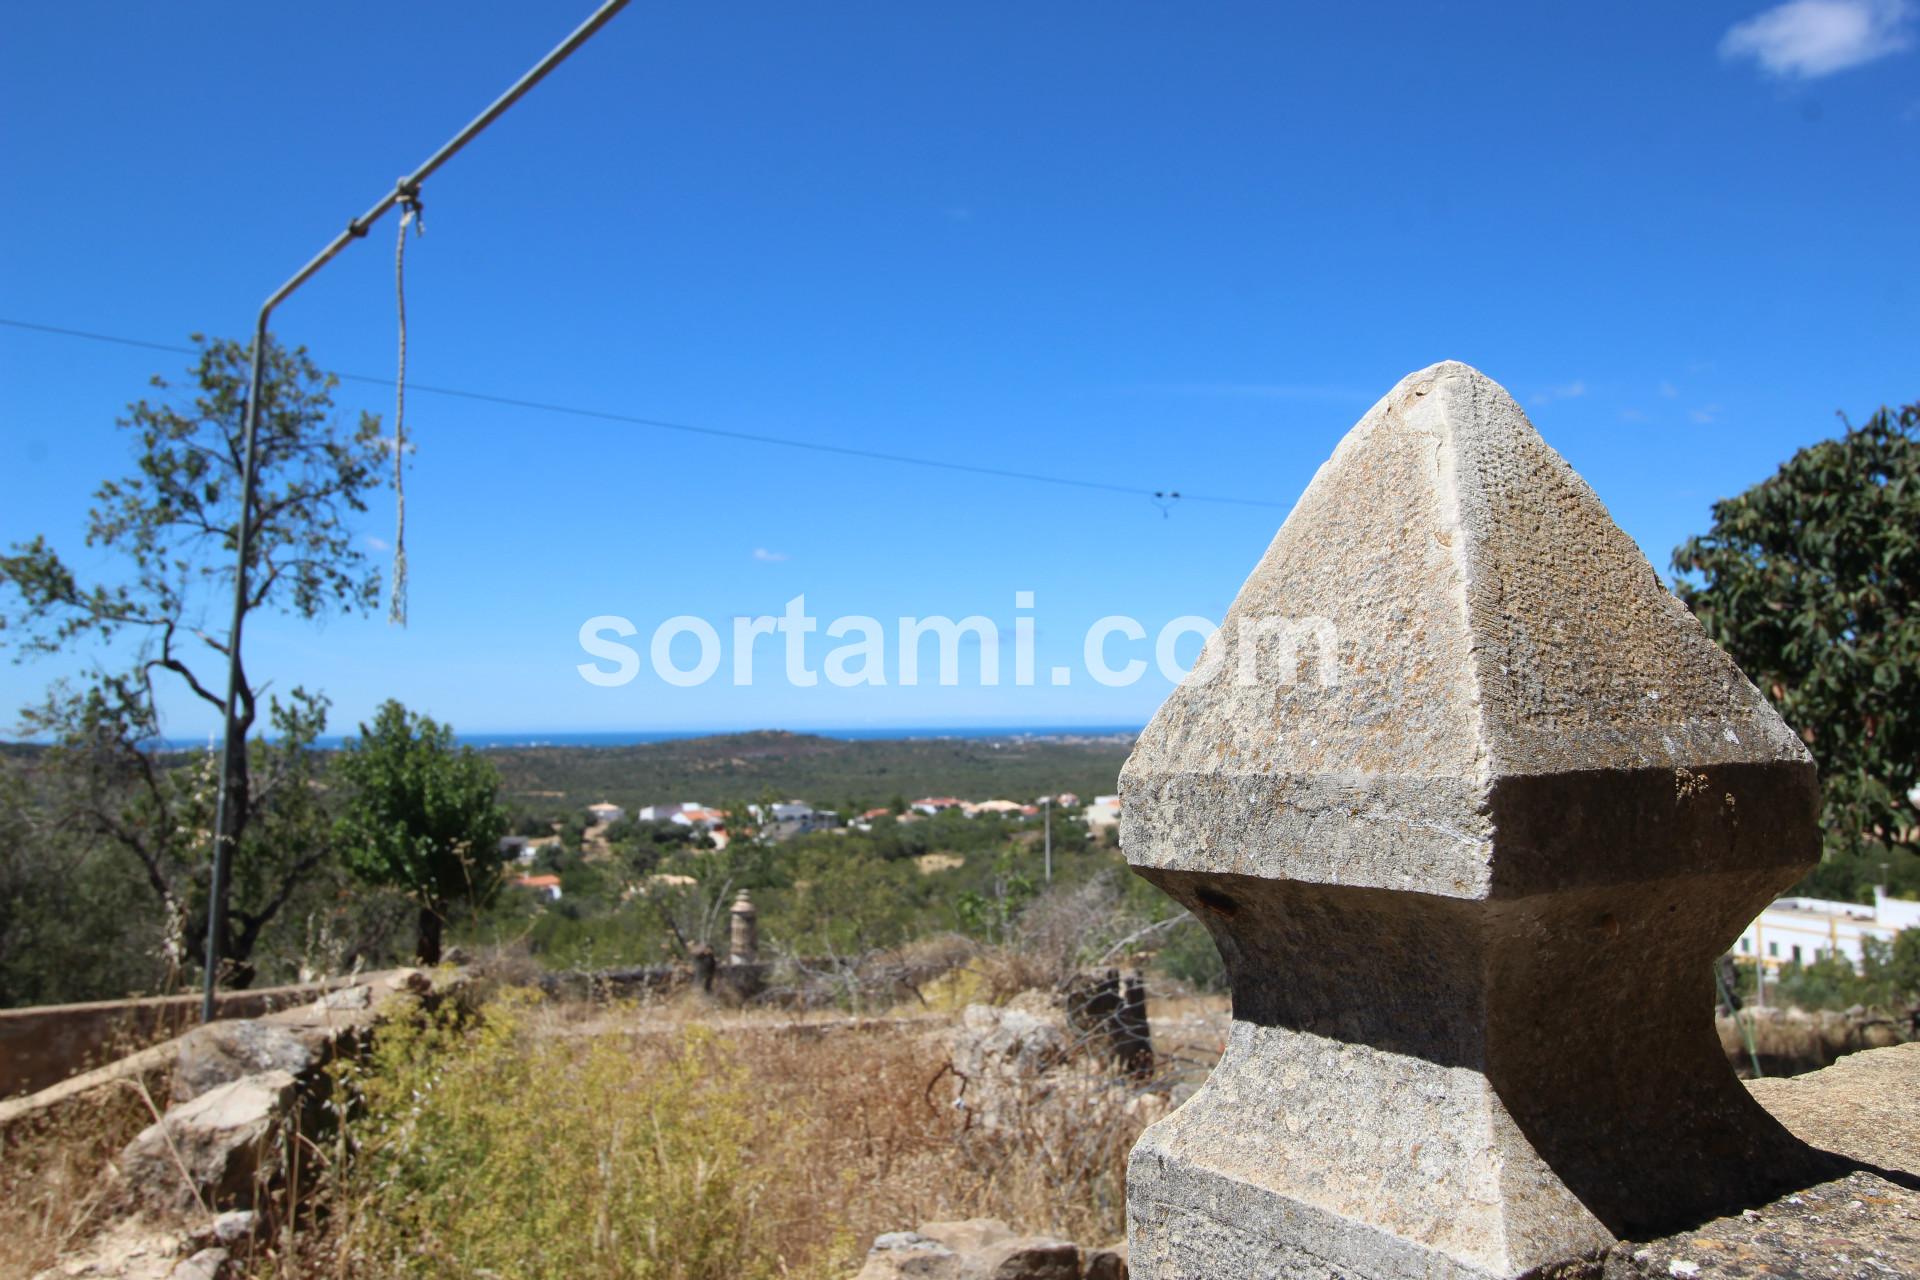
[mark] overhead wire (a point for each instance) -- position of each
(1157, 495)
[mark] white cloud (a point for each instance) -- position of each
(765, 556)
(1812, 38)
(1668, 390)
(1566, 391)
(1706, 413)
(375, 544)
(1632, 415)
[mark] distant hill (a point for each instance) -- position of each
(825, 771)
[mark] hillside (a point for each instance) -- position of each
(827, 771)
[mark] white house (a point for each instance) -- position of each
(793, 818)
(1802, 930)
(605, 813)
(687, 813)
(1103, 812)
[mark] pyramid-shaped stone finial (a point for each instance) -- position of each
(1470, 804)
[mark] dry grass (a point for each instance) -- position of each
(837, 1130)
(829, 1130)
(54, 1191)
(861, 1136)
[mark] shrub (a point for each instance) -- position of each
(483, 1150)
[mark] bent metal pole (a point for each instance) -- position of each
(234, 744)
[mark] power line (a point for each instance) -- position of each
(719, 433)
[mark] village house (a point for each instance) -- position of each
(547, 887)
(524, 848)
(1102, 812)
(685, 813)
(997, 806)
(931, 805)
(792, 818)
(1803, 930)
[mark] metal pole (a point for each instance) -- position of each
(1047, 804)
(234, 745)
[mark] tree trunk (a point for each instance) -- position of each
(428, 949)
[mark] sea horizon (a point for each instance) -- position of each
(516, 739)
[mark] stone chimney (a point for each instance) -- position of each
(1469, 873)
(744, 934)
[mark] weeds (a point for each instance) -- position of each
(482, 1150)
(663, 1149)
(54, 1190)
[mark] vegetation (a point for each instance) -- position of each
(484, 1150)
(529, 1143)
(420, 815)
(849, 776)
(172, 525)
(828, 902)
(1888, 978)
(1811, 581)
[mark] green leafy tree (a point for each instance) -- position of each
(421, 815)
(172, 526)
(990, 914)
(1811, 581)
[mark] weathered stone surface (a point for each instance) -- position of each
(1860, 1227)
(974, 1249)
(900, 1255)
(293, 1007)
(208, 1264)
(299, 1040)
(987, 1249)
(967, 1234)
(1530, 763)
(1004, 1040)
(1865, 1107)
(1024, 1258)
(1109, 1263)
(234, 1226)
(222, 1052)
(1002, 1057)
(214, 1149)
(1496, 634)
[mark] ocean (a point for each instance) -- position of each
(635, 737)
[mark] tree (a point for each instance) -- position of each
(1811, 581)
(421, 815)
(174, 525)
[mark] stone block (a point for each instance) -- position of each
(1460, 752)
(907, 1255)
(215, 1151)
(221, 1052)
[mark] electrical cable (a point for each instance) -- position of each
(720, 433)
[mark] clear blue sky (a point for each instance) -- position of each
(1151, 245)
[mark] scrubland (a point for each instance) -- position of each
(675, 1140)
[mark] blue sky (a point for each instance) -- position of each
(1147, 245)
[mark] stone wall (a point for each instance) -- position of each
(44, 1044)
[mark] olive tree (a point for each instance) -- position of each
(169, 529)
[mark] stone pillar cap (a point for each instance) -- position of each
(1488, 623)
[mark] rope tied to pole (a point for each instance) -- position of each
(412, 214)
